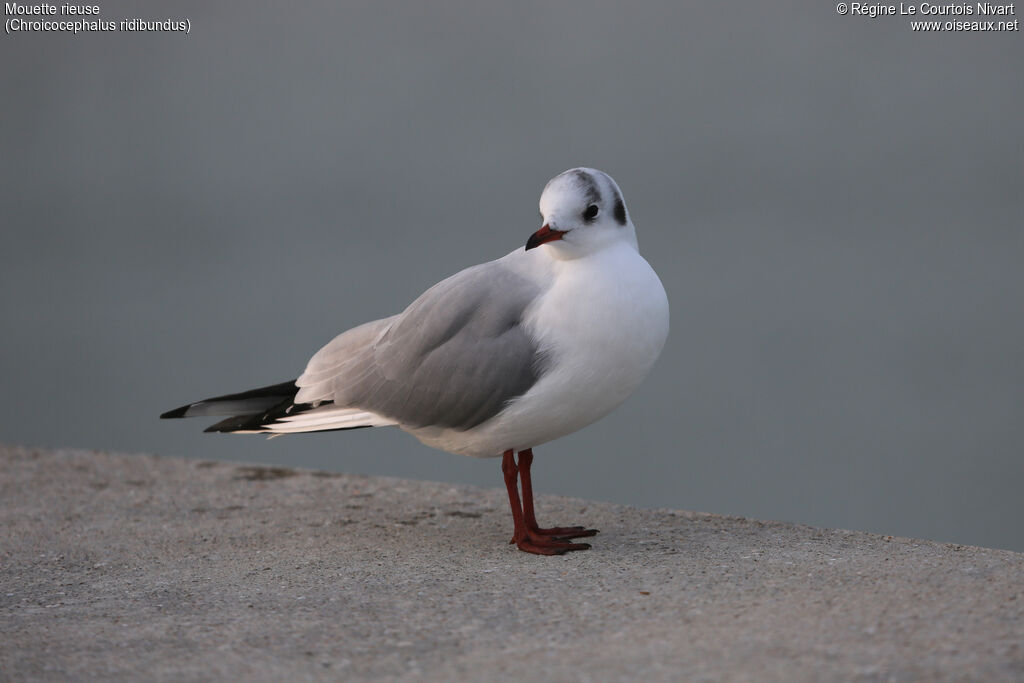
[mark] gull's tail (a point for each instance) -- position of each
(272, 410)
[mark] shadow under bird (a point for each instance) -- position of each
(498, 358)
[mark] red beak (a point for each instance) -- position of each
(543, 236)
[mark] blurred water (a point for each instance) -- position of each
(834, 205)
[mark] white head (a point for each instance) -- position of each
(582, 211)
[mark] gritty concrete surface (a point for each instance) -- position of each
(134, 567)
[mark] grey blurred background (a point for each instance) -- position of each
(834, 205)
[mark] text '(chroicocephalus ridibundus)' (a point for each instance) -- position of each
(497, 359)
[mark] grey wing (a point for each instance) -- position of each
(454, 358)
(336, 358)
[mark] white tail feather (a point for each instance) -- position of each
(328, 417)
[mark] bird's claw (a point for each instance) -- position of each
(547, 545)
(553, 540)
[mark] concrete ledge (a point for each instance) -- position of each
(139, 567)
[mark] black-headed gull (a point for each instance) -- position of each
(498, 358)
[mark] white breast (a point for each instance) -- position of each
(602, 324)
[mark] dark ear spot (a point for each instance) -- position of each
(620, 211)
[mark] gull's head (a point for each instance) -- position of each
(582, 211)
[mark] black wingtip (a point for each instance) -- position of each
(271, 395)
(177, 412)
(238, 423)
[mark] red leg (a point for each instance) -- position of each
(522, 536)
(525, 461)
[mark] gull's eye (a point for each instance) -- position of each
(591, 213)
